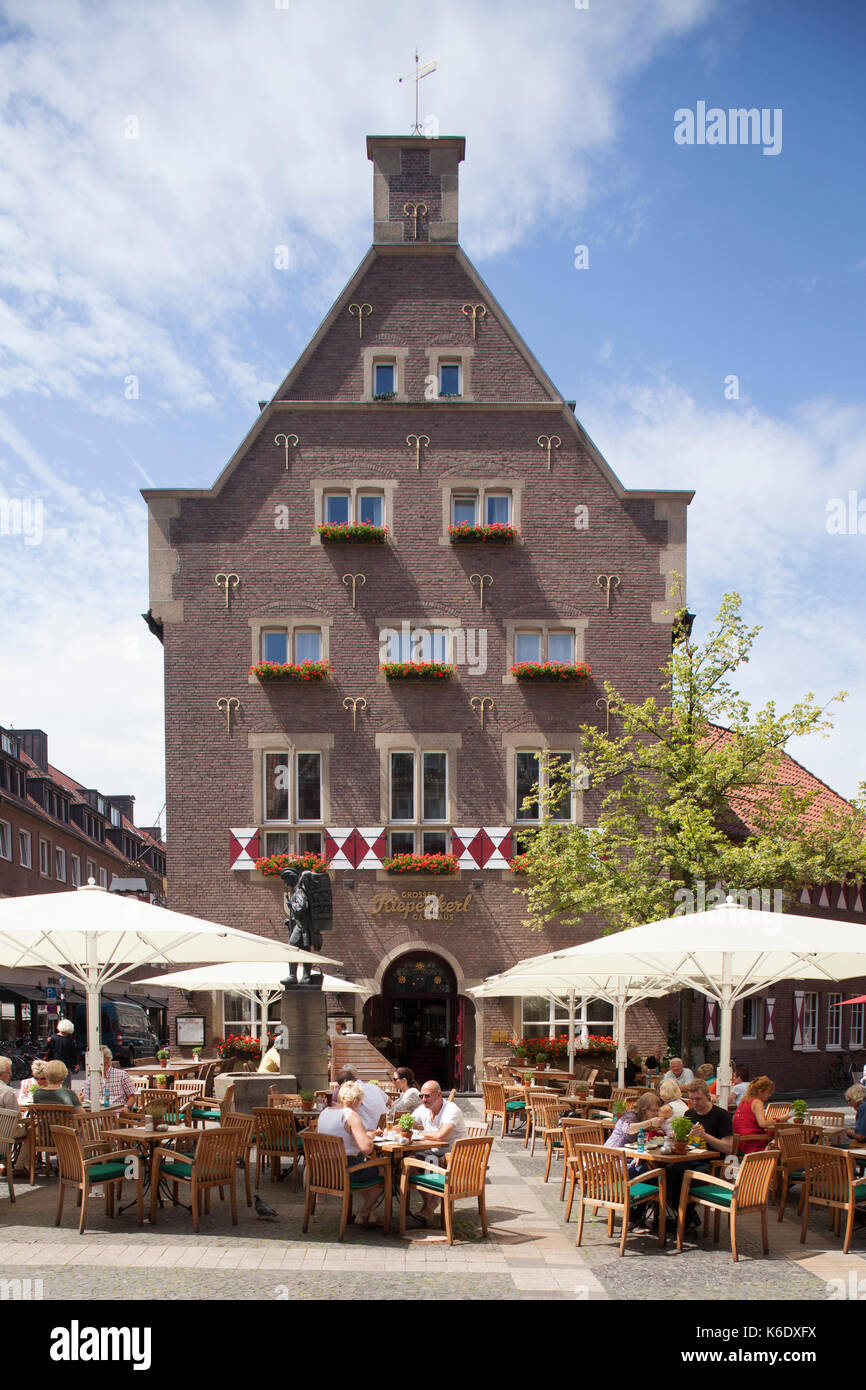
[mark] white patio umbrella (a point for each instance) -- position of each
(259, 982)
(542, 975)
(726, 953)
(95, 937)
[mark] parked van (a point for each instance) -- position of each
(125, 1029)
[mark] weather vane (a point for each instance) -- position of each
(416, 78)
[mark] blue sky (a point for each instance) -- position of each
(153, 257)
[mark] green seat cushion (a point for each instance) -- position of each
(644, 1189)
(206, 1114)
(797, 1175)
(177, 1170)
(364, 1180)
(721, 1195)
(100, 1171)
(557, 1143)
(515, 1105)
(434, 1181)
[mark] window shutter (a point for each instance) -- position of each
(770, 1020)
(711, 1018)
(799, 1009)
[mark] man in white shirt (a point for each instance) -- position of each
(677, 1072)
(374, 1104)
(8, 1096)
(442, 1120)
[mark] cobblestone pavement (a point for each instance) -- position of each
(530, 1254)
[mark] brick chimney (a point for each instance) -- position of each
(125, 805)
(409, 171)
(34, 742)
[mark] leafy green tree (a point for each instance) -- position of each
(690, 795)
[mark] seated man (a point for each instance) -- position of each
(712, 1124)
(856, 1096)
(114, 1081)
(677, 1072)
(442, 1120)
(375, 1102)
(9, 1101)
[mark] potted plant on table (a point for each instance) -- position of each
(307, 1099)
(159, 1080)
(681, 1128)
(196, 1053)
(406, 1125)
(581, 1090)
(617, 1109)
(154, 1116)
(798, 1111)
(163, 1054)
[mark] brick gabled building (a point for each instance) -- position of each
(416, 407)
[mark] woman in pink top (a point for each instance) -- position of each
(750, 1117)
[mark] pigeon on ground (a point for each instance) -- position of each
(263, 1211)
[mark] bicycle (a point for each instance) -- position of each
(844, 1071)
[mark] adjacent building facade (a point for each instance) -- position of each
(419, 417)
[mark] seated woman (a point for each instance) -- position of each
(672, 1105)
(644, 1115)
(53, 1091)
(29, 1084)
(856, 1096)
(344, 1121)
(750, 1117)
(410, 1097)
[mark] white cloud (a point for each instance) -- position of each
(757, 524)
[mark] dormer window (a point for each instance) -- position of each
(384, 378)
(449, 379)
(115, 817)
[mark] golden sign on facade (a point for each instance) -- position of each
(419, 906)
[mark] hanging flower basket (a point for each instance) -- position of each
(344, 533)
(291, 670)
(421, 864)
(417, 670)
(518, 864)
(273, 864)
(499, 533)
(551, 671)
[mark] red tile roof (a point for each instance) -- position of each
(791, 774)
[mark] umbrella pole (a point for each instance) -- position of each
(620, 1031)
(571, 1030)
(93, 1058)
(725, 1010)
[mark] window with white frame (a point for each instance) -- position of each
(450, 379)
(533, 644)
(810, 1020)
(481, 506)
(243, 1017)
(414, 643)
(750, 1018)
(60, 865)
(298, 644)
(366, 506)
(533, 774)
(834, 1021)
(855, 1026)
(44, 858)
(91, 870)
(293, 789)
(115, 817)
(418, 798)
(384, 378)
(548, 1018)
(76, 870)
(5, 840)
(103, 878)
(25, 849)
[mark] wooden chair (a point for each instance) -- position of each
(212, 1164)
(626, 1094)
(158, 1095)
(778, 1110)
(189, 1090)
(543, 1110)
(576, 1132)
(829, 1181)
(750, 1191)
(828, 1119)
(9, 1123)
(91, 1129)
(206, 1074)
(329, 1175)
(286, 1099)
(548, 1129)
(211, 1109)
(104, 1169)
(245, 1125)
(603, 1181)
(790, 1142)
(583, 1072)
(476, 1130)
(277, 1136)
(42, 1118)
(464, 1175)
(497, 1107)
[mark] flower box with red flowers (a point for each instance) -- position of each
(421, 864)
(238, 1045)
(291, 670)
(417, 670)
(345, 533)
(519, 865)
(498, 533)
(551, 671)
(274, 864)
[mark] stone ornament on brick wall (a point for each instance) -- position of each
(286, 440)
(484, 581)
(229, 705)
(475, 312)
(548, 442)
(604, 703)
(415, 441)
(482, 703)
(484, 848)
(243, 848)
(361, 310)
(354, 703)
(359, 847)
(607, 583)
(415, 210)
(354, 580)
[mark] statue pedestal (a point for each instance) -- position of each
(302, 1014)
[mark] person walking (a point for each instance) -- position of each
(61, 1046)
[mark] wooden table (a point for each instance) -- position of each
(163, 1069)
(395, 1151)
(147, 1140)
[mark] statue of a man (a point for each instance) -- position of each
(308, 905)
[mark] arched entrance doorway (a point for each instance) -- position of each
(420, 1014)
